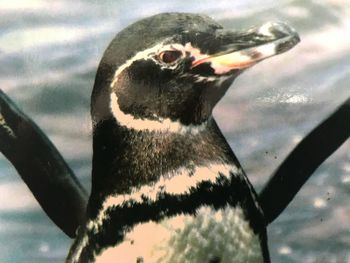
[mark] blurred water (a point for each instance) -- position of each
(49, 51)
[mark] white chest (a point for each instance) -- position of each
(223, 234)
(209, 234)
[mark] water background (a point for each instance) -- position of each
(49, 52)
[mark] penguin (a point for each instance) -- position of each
(166, 186)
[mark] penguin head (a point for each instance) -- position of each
(175, 67)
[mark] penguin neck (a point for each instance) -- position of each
(124, 158)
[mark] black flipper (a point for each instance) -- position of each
(64, 200)
(312, 151)
(41, 167)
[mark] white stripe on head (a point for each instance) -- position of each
(161, 124)
(149, 53)
(178, 182)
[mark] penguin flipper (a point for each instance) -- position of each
(309, 154)
(41, 167)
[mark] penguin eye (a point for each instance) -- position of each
(170, 56)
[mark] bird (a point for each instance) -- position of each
(166, 186)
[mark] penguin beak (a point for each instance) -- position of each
(248, 48)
